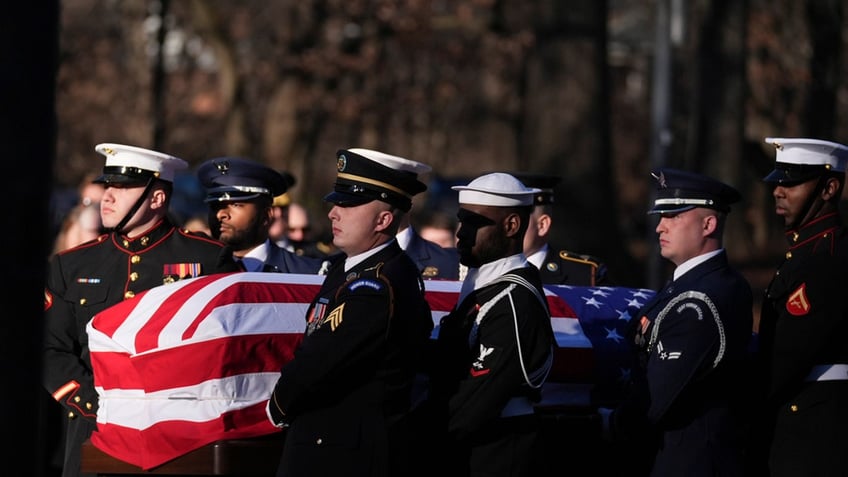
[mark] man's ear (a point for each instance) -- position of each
(158, 198)
(831, 187)
(384, 220)
(511, 223)
(543, 223)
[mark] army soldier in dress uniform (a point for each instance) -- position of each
(691, 340)
(346, 393)
(240, 193)
(143, 249)
(495, 348)
(804, 320)
(557, 266)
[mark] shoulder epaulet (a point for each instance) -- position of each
(598, 266)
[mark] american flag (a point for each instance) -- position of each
(193, 362)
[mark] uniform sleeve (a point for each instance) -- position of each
(65, 376)
(812, 317)
(686, 343)
(495, 375)
(333, 359)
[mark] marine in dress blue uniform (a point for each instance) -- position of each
(87, 279)
(495, 348)
(804, 321)
(231, 180)
(345, 395)
(691, 341)
(557, 266)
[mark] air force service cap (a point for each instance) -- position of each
(130, 165)
(496, 189)
(798, 160)
(239, 179)
(365, 175)
(679, 191)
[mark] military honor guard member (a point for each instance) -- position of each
(142, 249)
(345, 395)
(804, 321)
(557, 266)
(495, 348)
(240, 195)
(691, 340)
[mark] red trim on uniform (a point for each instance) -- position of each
(475, 373)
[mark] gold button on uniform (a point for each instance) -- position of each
(88, 406)
(319, 441)
(788, 255)
(77, 399)
(71, 415)
(135, 259)
(82, 301)
(126, 243)
(145, 241)
(129, 294)
(793, 408)
(133, 276)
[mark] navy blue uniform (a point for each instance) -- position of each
(803, 332)
(86, 280)
(346, 392)
(489, 346)
(434, 262)
(692, 348)
(568, 268)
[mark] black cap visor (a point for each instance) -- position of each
(125, 176)
(343, 199)
(793, 174)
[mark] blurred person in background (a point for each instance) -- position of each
(82, 222)
(300, 234)
(438, 227)
(141, 250)
(240, 196)
(557, 266)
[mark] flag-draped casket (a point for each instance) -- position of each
(193, 362)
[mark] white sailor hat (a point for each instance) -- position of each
(496, 189)
(130, 165)
(365, 175)
(798, 160)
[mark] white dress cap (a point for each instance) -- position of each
(393, 162)
(496, 189)
(120, 156)
(810, 152)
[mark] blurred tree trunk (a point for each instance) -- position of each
(824, 20)
(717, 129)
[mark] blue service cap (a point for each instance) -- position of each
(798, 160)
(240, 179)
(365, 175)
(679, 191)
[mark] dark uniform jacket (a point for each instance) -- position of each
(803, 329)
(434, 262)
(281, 260)
(692, 362)
(480, 380)
(346, 392)
(86, 280)
(568, 268)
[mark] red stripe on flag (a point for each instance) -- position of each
(165, 441)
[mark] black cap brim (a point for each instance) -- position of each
(670, 209)
(793, 175)
(120, 180)
(346, 200)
